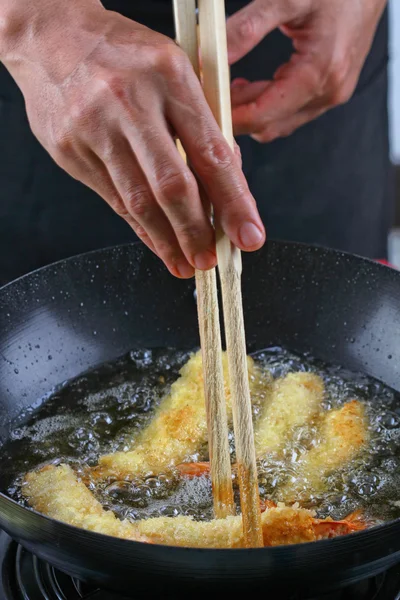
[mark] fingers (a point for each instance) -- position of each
(130, 198)
(296, 85)
(217, 169)
(244, 92)
(287, 126)
(247, 27)
(238, 154)
(134, 165)
(176, 192)
(139, 206)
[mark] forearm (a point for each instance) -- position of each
(43, 31)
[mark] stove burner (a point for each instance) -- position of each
(46, 580)
(26, 577)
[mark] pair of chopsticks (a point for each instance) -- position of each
(216, 86)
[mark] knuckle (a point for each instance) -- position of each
(168, 252)
(108, 150)
(106, 87)
(263, 138)
(338, 82)
(296, 7)
(269, 134)
(340, 96)
(63, 137)
(138, 229)
(314, 81)
(191, 234)
(288, 131)
(174, 186)
(141, 232)
(251, 22)
(238, 154)
(173, 62)
(80, 114)
(215, 153)
(137, 202)
(62, 142)
(115, 84)
(108, 83)
(120, 210)
(118, 206)
(247, 28)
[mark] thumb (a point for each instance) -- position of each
(247, 27)
(244, 92)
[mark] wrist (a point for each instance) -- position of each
(30, 31)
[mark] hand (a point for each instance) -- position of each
(331, 39)
(105, 96)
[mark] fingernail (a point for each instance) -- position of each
(250, 235)
(205, 260)
(184, 269)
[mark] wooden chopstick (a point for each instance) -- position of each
(208, 315)
(216, 85)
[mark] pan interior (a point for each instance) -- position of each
(98, 411)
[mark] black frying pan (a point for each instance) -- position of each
(341, 308)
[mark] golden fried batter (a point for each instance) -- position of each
(57, 493)
(343, 434)
(281, 525)
(293, 402)
(177, 430)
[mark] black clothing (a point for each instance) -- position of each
(329, 183)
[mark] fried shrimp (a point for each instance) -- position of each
(58, 493)
(294, 401)
(343, 435)
(282, 525)
(290, 402)
(177, 430)
(55, 491)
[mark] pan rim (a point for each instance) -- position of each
(360, 536)
(270, 241)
